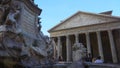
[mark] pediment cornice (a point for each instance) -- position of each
(80, 19)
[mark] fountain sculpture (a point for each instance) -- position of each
(21, 39)
(79, 51)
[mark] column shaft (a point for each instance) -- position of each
(112, 45)
(100, 45)
(54, 48)
(88, 43)
(68, 48)
(58, 48)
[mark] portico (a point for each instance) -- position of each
(99, 33)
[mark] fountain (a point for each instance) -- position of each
(79, 51)
(22, 42)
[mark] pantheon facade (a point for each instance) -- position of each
(99, 33)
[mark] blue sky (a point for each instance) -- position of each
(54, 11)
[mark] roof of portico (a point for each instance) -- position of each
(101, 18)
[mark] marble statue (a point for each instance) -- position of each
(79, 51)
(12, 18)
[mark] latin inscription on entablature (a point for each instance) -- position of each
(93, 28)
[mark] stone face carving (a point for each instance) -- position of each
(29, 50)
(79, 51)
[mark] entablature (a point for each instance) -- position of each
(91, 28)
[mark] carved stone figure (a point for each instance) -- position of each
(50, 47)
(79, 51)
(11, 19)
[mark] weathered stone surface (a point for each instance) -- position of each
(81, 19)
(28, 22)
(79, 51)
(78, 64)
(20, 36)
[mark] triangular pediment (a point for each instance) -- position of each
(81, 19)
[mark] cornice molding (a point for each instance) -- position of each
(33, 7)
(92, 28)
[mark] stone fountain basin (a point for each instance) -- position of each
(62, 65)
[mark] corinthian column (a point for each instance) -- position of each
(76, 38)
(58, 46)
(54, 45)
(88, 43)
(112, 45)
(100, 45)
(68, 48)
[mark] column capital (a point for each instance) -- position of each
(97, 31)
(67, 35)
(87, 33)
(76, 34)
(109, 31)
(58, 37)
